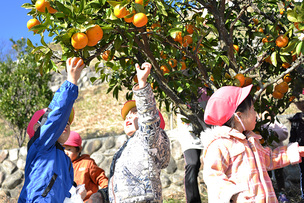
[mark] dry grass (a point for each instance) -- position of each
(97, 114)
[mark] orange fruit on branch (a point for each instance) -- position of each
(155, 25)
(79, 40)
(189, 28)
(41, 5)
(281, 41)
(140, 20)
(162, 55)
(268, 59)
(31, 23)
(285, 65)
(240, 79)
(236, 48)
(256, 21)
(164, 69)
(265, 40)
(183, 65)
(277, 95)
(153, 86)
(187, 40)
(247, 82)
(282, 87)
(120, 12)
(130, 19)
(178, 37)
(142, 2)
(94, 35)
(291, 98)
(287, 78)
(172, 63)
(106, 54)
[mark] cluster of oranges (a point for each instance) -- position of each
(138, 19)
(173, 64)
(186, 40)
(279, 90)
(242, 81)
(41, 6)
(92, 36)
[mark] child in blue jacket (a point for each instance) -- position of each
(48, 170)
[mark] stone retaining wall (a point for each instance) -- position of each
(12, 163)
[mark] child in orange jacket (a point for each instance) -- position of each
(86, 170)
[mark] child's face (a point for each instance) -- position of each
(71, 152)
(131, 122)
(65, 134)
(249, 118)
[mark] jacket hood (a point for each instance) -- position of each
(216, 132)
(81, 157)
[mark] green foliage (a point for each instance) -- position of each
(217, 27)
(22, 90)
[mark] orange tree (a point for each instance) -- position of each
(225, 40)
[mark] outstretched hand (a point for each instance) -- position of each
(74, 67)
(142, 73)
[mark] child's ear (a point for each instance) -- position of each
(80, 148)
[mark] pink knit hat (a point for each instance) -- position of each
(74, 140)
(37, 115)
(223, 104)
(131, 104)
(35, 118)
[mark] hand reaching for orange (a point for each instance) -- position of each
(143, 73)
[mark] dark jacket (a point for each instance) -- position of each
(297, 129)
(48, 170)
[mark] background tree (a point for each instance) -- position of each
(191, 45)
(22, 89)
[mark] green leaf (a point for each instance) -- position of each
(27, 6)
(63, 9)
(42, 41)
(37, 49)
(299, 48)
(113, 3)
(292, 16)
(139, 8)
(274, 59)
(179, 89)
(161, 7)
(93, 79)
(185, 120)
(82, 5)
(291, 46)
(225, 59)
(29, 43)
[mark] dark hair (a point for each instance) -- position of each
(244, 106)
(77, 149)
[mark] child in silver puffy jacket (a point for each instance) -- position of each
(135, 169)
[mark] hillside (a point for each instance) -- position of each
(97, 114)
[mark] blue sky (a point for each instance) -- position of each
(13, 20)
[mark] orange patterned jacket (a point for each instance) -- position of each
(235, 164)
(87, 172)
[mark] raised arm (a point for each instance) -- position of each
(61, 105)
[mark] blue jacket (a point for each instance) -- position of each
(48, 170)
